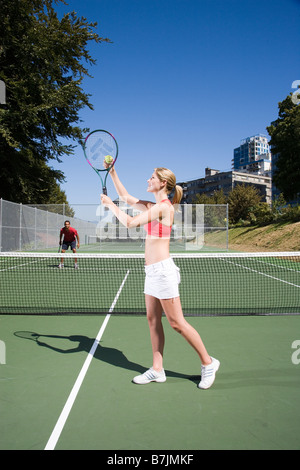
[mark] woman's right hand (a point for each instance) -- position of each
(106, 201)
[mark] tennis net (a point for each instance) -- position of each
(211, 283)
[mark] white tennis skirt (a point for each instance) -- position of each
(162, 279)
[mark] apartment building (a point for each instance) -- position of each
(253, 155)
(251, 165)
(216, 180)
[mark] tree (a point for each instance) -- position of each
(285, 143)
(218, 197)
(241, 200)
(42, 65)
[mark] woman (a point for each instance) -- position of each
(162, 276)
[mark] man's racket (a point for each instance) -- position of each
(98, 146)
(61, 242)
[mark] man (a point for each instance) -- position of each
(67, 237)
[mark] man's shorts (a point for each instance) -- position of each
(162, 279)
(66, 245)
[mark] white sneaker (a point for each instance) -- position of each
(150, 376)
(60, 265)
(208, 374)
(76, 266)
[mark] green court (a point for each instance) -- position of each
(253, 404)
(73, 339)
(211, 284)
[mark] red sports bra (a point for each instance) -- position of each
(157, 229)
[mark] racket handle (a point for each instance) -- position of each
(104, 191)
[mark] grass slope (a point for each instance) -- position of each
(273, 237)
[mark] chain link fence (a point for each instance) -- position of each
(36, 228)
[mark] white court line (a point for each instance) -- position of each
(262, 274)
(279, 266)
(18, 266)
(71, 399)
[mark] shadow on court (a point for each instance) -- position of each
(112, 356)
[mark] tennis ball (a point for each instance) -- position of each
(108, 159)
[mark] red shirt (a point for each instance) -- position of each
(69, 235)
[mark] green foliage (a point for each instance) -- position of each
(43, 63)
(246, 208)
(285, 142)
(261, 214)
(218, 197)
(241, 200)
(291, 213)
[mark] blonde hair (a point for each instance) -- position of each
(167, 175)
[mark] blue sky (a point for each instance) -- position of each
(182, 83)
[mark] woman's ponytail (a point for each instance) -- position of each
(177, 195)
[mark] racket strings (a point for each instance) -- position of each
(97, 147)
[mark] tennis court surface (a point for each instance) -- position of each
(211, 283)
(66, 380)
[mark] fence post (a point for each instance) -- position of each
(20, 228)
(227, 222)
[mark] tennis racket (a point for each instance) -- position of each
(61, 243)
(98, 145)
